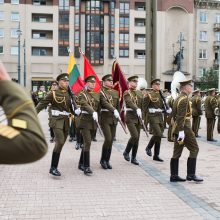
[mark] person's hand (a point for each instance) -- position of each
(139, 114)
(95, 116)
(181, 136)
(116, 113)
(169, 110)
(152, 110)
(78, 111)
(3, 73)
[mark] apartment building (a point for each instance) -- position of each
(105, 30)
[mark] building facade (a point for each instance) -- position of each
(104, 30)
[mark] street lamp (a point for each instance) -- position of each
(19, 32)
(24, 46)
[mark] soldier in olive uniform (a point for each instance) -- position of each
(21, 136)
(196, 111)
(89, 101)
(134, 104)
(218, 113)
(184, 136)
(210, 106)
(109, 101)
(170, 120)
(153, 103)
(60, 101)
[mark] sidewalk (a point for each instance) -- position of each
(125, 192)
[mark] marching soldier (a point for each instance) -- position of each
(184, 136)
(218, 113)
(89, 101)
(170, 120)
(165, 115)
(153, 103)
(134, 105)
(196, 111)
(109, 100)
(21, 136)
(60, 101)
(210, 106)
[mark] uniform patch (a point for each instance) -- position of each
(18, 123)
(8, 132)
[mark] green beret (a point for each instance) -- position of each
(90, 79)
(107, 77)
(63, 76)
(154, 81)
(131, 78)
(186, 82)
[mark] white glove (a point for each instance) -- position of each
(152, 110)
(169, 110)
(78, 111)
(181, 135)
(139, 114)
(95, 116)
(116, 113)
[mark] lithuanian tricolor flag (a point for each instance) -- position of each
(75, 80)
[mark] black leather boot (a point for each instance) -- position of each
(127, 151)
(157, 151)
(174, 168)
(149, 146)
(81, 164)
(191, 170)
(87, 170)
(134, 154)
(109, 151)
(54, 163)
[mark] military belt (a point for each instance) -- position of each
(155, 110)
(128, 109)
(58, 113)
(104, 110)
(85, 112)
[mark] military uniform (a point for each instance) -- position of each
(210, 105)
(89, 102)
(109, 102)
(170, 120)
(134, 103)
(218, 125)
(21, 136)
(196, 112)
(153, 103)
(182, 113)
(60, 101)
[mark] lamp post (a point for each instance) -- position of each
(24, 46)
(19, 32)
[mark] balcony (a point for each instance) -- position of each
(216, 27)
(216, 45)
(42, 18)
(215, 64)
(42, 2)
(42, 34)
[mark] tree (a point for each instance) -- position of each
(208, 80)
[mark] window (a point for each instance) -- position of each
(63, 51)
(1, 32)
(77, 21)
(15, 2)
(202, 70)
(1, 49)
(39, 2)
(124, 38)
(64, 35)
(77, 37)
(140, 38)
(217, 18)
(14, 50)
(203, 36)
(1, 15)
(64, 4)
(64, 19)
(140, 22)
(77, 5)
(202, 54)
(39, 36)
(203, 17)
(1, 1)
(140, 6)
(124, 8)
(123, 53)
(140, 54)
(124, 22)
(15, 16)
(217, 36)
(14, 33)
(42, 51)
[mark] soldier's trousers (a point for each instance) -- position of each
(157, 129)
(218, 125)
(72, 130)
(87, 138)
(109, 134)
(60, 139)
(189, 142)
(134, 130)
(210, 128)
(195, 124)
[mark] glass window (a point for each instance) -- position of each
(123, 53)
(217, 18)
(77, 4)
(112, 22)
(64, 4)
(1, 49)
(77, 21)
(15, 2)
(39, 2)
(64, 19)
(202, 70)
(1, 1)
(14, 50)
(77, 37)
(1, 15)
(123, 22)
(203, 36)
(124, 38)
(203, 17)
(39, 51)
(217, 36)
(1, 32)
(64, 35)
(202, 54)
(14, 33)
(140, 54)
(15, 16)
(124, 8)
(63, 51)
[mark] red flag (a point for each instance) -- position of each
(88, 71)
(120, 84)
